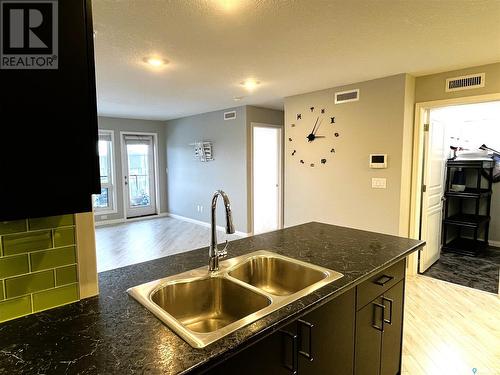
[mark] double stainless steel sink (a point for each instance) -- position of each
(202, 306)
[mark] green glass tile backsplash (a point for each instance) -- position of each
(25, 242)
(38, 265)
(15, 226)
(55, 297)
(51, 222)
(42, 260)
(12, 266)
(33, 282)
(15, 308)
(66, 275)
(64, 237)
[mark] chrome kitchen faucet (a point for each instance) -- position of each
(213, 253)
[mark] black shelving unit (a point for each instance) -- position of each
(480, 170)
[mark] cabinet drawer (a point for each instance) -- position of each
(379, 283)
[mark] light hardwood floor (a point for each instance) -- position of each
(139, 241)
(450, 329)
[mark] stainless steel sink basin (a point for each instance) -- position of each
(202, 306)
(206, 305)
(277, 276)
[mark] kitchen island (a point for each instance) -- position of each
(112, 333)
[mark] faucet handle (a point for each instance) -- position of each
(223, 253)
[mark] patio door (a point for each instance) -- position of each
(138, 162)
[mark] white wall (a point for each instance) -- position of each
(192, 183)
(340, 192)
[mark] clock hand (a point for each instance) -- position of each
(311, 136)
(318, 127)
(316, 123)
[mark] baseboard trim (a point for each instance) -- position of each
(124, 220)
(205, 224)
(494, 243)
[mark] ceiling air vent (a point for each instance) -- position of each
(347, 96)
(230, 115)
(471, 81)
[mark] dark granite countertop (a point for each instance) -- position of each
(113, 333)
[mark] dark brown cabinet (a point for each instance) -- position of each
(321, 342)
(359, 332)
(379, 325)
(390, 361)
(328, 347)
(48, 141)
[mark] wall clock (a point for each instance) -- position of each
(312, 137)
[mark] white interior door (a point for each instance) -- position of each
(435, 155)
(266, 177)
(139, 175)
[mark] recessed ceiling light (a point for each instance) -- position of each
(250, 84)
(155, 61)
(238, 98)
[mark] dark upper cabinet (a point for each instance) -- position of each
(48, 122)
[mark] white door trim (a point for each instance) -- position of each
(114, 152)
(417, 167)
(125, 167)
(281, 171)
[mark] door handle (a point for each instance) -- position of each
(291, 367)
(126, 180)
(310, 326)
(391, 302)
(374, 317)
(384, 279)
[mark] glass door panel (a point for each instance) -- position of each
(139, 175)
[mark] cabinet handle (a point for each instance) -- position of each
(374, 317)
(384, 279)
(293, 366)
(310, 326)
(391, 302)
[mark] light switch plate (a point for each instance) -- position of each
(379, 183)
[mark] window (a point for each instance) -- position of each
(105, 202)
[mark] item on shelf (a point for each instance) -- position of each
(458, 182)
(496, 157)
(472, 155)
(453, 152)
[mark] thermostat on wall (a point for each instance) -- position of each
(378, 160)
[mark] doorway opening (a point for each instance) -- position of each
(459, 201)
(266, 177)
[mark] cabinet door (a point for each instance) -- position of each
(369, 327)
(393, 330)
(274, 355)
(48, 142)
(328, 346)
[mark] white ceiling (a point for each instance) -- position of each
(291, 46)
